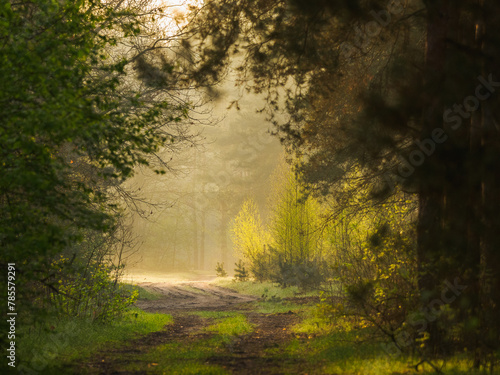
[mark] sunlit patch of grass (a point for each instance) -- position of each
(313, 325)
(57, 342)
(255, 288)
(314, 322)
(144, 294)
(340, 352)
(231, 326)
(178, 358)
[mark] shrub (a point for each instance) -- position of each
(307, 275)
(90, 292)
(219, 270)
(240, 272)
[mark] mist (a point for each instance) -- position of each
(181, 221)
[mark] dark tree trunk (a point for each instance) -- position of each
(490, 221)
(430, 229)
(490, 239)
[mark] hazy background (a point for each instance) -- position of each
(185, 216)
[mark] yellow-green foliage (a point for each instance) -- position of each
(295, 221)
(249, 235)
(290, 248)
(376, 266)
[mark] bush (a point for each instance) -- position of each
(219, 270)
(377, 284)
(307, 275)
(90, 292)
(240, 272)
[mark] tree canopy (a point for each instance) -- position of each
(404, 93)
(73, 126)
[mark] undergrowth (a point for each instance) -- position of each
(56, 342)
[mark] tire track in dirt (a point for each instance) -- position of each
(190, 296)
(247, 354)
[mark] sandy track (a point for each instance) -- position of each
(192, 295)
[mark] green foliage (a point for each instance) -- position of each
(250, 238)
(58, 341)
(295, 221)
(371, 103)
(90, 293)
(307, 275)
(240, 272)
(376, 275)
(219, 270)
(69, 133)
(288, 250)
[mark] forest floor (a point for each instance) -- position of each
(197, 342)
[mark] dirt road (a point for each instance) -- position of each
(246, 355)
(190, 295)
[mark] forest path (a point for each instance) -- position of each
(190, 295)
(259, 352)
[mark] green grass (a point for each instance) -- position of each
(267, 307)
(190, 358)
(179, 358)
(57, 342)
(254, 288)
(144, 294)
(227, 323)
(314, 323)
(330, 350)
(336, 353)
(231, 326)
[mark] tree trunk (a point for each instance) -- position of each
(195, 239)
(202, 241)
(223, 231)
(490, 238)
(431, 187)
